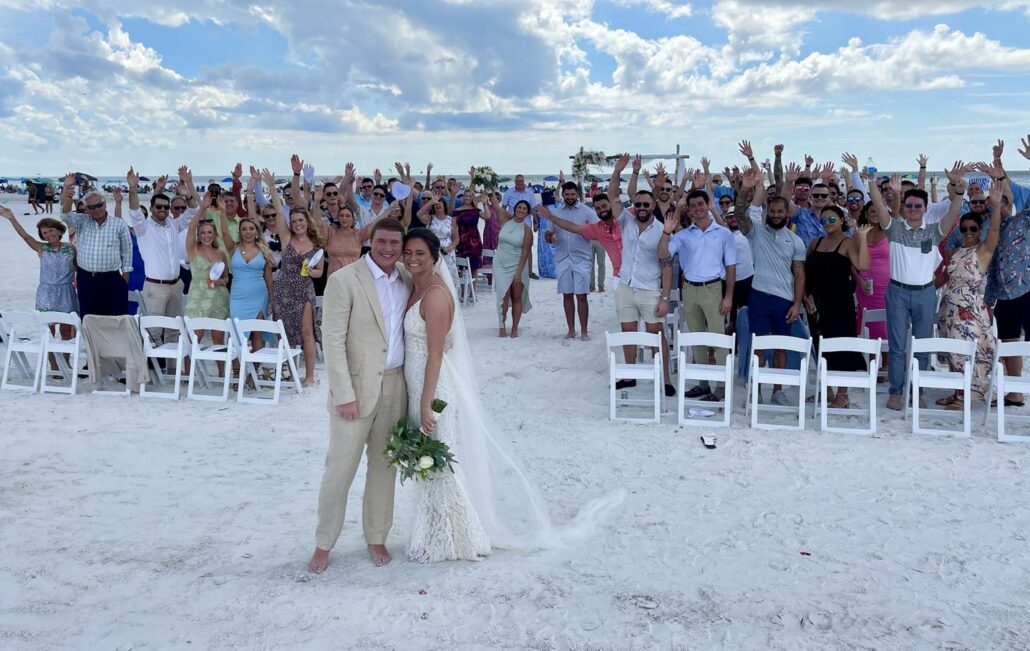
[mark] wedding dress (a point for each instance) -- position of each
(446, 527)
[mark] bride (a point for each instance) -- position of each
(489, 501)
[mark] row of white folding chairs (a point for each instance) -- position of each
(826, 378)
(237, 347)
(29, 336)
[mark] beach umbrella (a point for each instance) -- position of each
(504, 179)
(537, 187)
(227, 179)
(143, 178)
(551, 179)
(88, 177)
(3, 180)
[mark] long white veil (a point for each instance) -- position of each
(511, 509)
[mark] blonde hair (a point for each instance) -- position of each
(259, 239)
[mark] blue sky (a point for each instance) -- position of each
(109, 83)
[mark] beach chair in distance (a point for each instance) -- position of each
(54, 345)
(759, 375)
(175, 352)
(200, 353)
(652, 372)
(710, 373)
(275, 355)
(932, 379)
(870, 349)
(1002, 384)
(24, 341)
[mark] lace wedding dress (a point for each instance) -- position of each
(447, 526)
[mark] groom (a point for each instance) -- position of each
(363, 340)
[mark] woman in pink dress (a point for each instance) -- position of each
(871, 290)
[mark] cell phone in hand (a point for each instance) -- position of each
(547, 197)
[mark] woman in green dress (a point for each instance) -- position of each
(511, 264)
(207, 298)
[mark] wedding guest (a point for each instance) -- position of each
(963, 314)
(209, 297)
(55, 292)
(251, 276)
(446, 229)
(572, 259)
(103, 254)
(511, 264)
(469, 244)
(293, 294)
(831, 284)
(871, 291)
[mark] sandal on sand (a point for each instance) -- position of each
(956, 405)
(947, 400)
(840, 402)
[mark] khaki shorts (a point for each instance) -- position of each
(632, 305)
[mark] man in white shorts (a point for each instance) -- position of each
(572, 259)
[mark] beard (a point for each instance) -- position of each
(605, 216)
(643, 216)
(776, 225)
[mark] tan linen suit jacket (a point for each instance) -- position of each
(354, 337)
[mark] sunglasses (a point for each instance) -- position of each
(666, 189)
(977, 202)
(332, 194)
(913, 206)
(367, 187)
(269, 215)
(821, 195)
(828, 220)
(378, 194)
(161, 206)
(725, 201)
(94, 206)
(969, 229)
(641, 204)
(178, 208)
(854, 199)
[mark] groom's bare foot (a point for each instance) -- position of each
(319, 561)
(380, 556)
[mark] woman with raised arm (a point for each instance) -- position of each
(963, 312)
(829, 280)
(55, 292)
(511, 264)
(469, 243)
(293, 294)
(871, 291)
(208, 298)
(252, 273)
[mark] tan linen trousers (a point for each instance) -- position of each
(701, 312)
(348, 439)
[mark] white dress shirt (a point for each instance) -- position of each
(393, 299)
(159, 243)
(640, 267)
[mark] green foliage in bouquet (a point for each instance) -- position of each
(416, 454)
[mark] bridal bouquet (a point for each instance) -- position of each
(486, 177)
(417, 454)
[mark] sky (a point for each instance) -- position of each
(98, 85)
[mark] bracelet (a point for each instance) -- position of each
(664, 298)
(922, 167)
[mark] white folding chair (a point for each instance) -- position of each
(466, 288)
(759, 375)
(672, 335)
(931, 379)
(319, 356)
(136, 296)
(875, 316)
(486, 272)
(201, 353)
(870, 349)
(274, 355)
(24, 341)
(1002, 384)
(704, 373)
(176, 352)
(54, 345)
(652, 372)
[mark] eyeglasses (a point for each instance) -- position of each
(178, 208)
(969, 229)
(854, 199)
(977, 202)
(828, 220)
(821, 195)
(438, 187)
(161, 206)
(666, 189)
(641, 204)
(913, 206)
(332, 194)
(94, 206)
(268, 215)
(378, 194)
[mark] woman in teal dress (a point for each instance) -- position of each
(251, 276)
(511, 265)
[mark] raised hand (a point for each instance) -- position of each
(998, 149)
(377, 177)
(850, 160)
(863, 231)
(995, 193)
(745, 149)
(621, 162)
(268, 178)
(792, 173)
(659, 176)
(318, 194)
(671, 222)
(922, 159)
(237, 171)
(7, 213)
(778, 150)
(1025, 151)
(752, 178)
(957, 171)
(185, 175)
(132, 178)
(699, 179)
(808, 160)
(159, 186)
(472, 173)
(816, 171)
(116, 195)
(638, 160)
(827, 170)
(705, 164)
(429, 168)
(895, 183)
(69, 179)
(255, 175)
(348, 172)
(297, 164)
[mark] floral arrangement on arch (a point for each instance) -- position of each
(583, 159)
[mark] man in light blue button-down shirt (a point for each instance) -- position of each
(572, 259)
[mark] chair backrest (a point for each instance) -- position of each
(713, 339)
(21, 322)
(780, 342)
(873, 316)
(615, 339)
(59, 318)
(462, 262)
(164, 323)
(488, 253)
(1013, 348)
(246, 326)
(867, 347)
(943, 345)
(205, 323)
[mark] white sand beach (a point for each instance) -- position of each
(129, 524)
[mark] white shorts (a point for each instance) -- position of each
(574, 281)
(632, 305)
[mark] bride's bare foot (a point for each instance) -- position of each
(319, 561)
(380, 556)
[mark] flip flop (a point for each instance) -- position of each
(708, 442)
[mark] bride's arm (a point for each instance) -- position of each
(436, 310)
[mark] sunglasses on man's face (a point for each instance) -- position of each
(332, 194)
(821, 195)
(854, 199)
(178, 208)
(913, 206)
(270, 215)
(367, 187)
(969, 229)
(161, 206)
(94, 206)
(828, 220)
(641, 204)
(977, 202)
(379, 195)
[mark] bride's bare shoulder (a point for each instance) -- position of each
(437, 300)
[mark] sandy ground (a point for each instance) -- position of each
(130, 525)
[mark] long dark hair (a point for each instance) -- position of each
(427, 236)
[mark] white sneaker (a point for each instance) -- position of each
(780, 398)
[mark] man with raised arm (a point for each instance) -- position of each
(911, 296)
(572, 259)
(707, 254)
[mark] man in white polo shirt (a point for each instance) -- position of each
(911, 296)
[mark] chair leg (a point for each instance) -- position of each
(293, 372)
(243, 378)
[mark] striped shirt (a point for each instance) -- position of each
(101, 247)
(914, 253)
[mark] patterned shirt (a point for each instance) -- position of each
(806, 225)
(101, 247)
(1008, 277)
